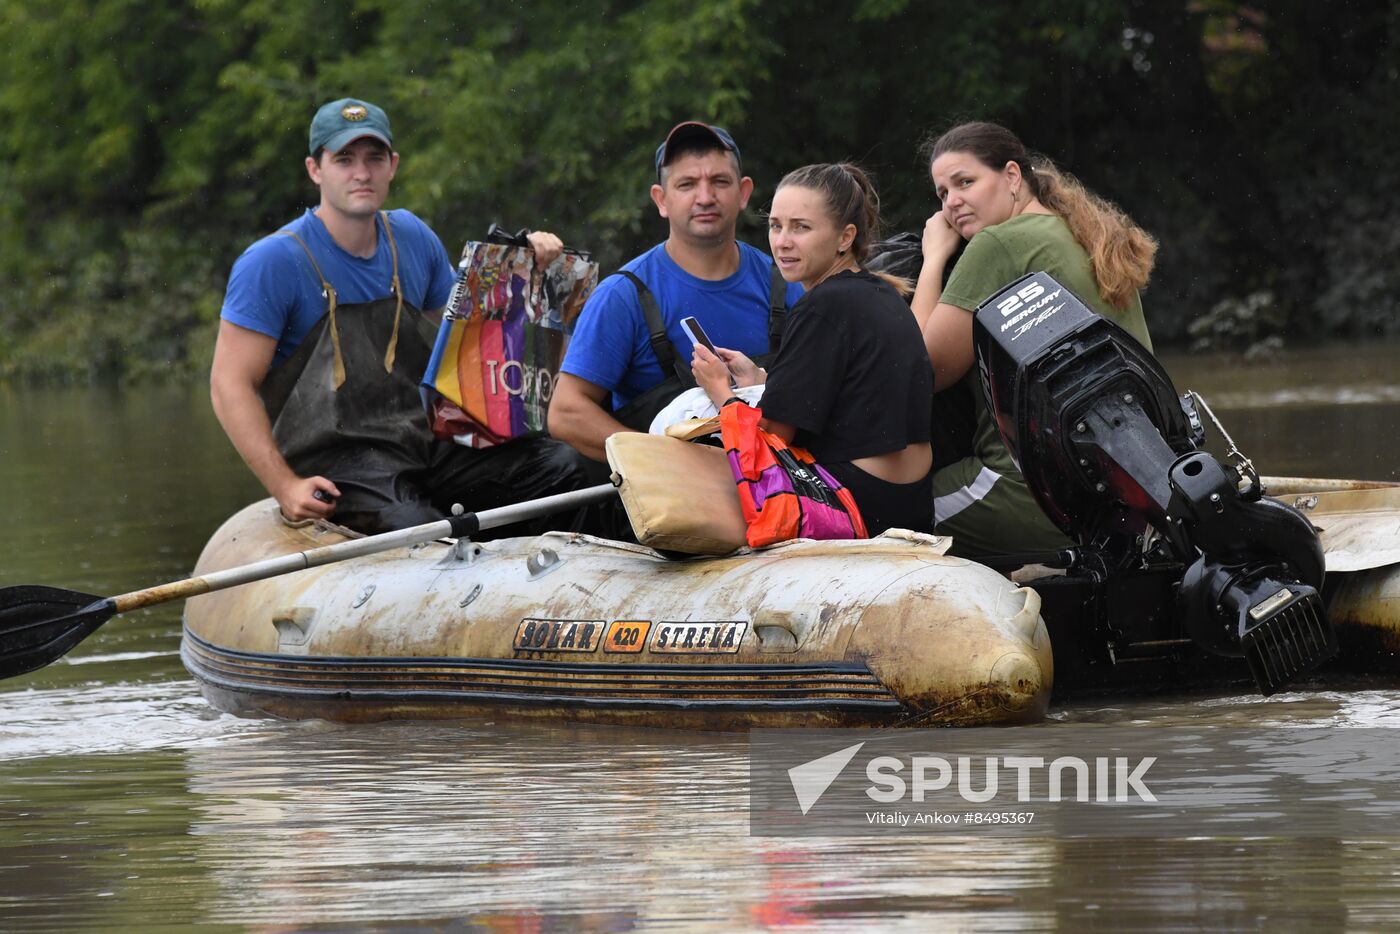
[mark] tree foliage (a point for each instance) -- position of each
(144, 145)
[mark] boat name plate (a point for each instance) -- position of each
(704, 638)
(558, 635)
(626, 636)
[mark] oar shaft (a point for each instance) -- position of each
(457, 526)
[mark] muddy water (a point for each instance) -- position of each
(126, 801)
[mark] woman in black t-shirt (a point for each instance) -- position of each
(852, 381)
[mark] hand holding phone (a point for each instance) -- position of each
(697, 335)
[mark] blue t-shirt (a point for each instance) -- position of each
(274, 290)
(611, 346)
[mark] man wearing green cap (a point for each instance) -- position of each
(322, 344)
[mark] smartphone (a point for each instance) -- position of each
(697, 335)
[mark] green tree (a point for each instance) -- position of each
(142, 147)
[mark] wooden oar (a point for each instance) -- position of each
(39, 625)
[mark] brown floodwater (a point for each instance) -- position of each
(126, 802)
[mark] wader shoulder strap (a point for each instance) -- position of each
(328, 290)
(656, 326)
(777, 310)
(398, 296)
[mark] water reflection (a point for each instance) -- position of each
(590, 826)
(308, 826)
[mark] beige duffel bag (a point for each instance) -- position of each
(679, 496)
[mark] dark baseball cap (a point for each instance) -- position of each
(693, 129)
(339, 123)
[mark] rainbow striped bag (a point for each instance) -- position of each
(498, 349)
(783, 492)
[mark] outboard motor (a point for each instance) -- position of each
(1108, 449)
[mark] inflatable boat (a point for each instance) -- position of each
(882, 632)
(1188, 569)
(805, 633)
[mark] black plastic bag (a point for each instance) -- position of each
(954, 420)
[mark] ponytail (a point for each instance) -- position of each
(850, 198)
(1121, 254)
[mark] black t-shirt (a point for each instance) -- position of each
(852, 374)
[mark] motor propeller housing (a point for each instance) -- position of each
(1108, 449)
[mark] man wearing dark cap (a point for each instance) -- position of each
(322, 344)
(620, 370)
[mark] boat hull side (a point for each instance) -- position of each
(803, 634)
(708, 696)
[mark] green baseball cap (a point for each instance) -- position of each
(339, 123)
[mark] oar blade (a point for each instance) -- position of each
(39, 625)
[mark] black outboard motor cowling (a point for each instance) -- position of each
(1108, 448)
(1054, 370)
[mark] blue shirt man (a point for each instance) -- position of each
(700, 269)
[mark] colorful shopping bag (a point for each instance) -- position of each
(498, 349)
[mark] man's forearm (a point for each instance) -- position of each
(584, 426)
(591, 432)
(245, 421)
(578, 417)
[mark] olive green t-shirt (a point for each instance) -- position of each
(997, 256)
